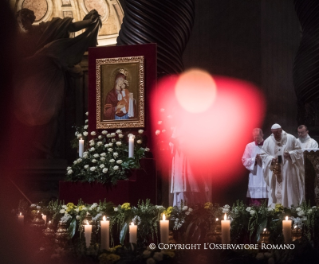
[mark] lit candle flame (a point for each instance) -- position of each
(20, 213)
(163, 216)
(217, 219)
(225, 217)
(295, 227)
(286, 218)
(132, 223)
(49, 222)
(104, 219)
(265, 229)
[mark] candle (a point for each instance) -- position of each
(164, 228)
(225, 230)
(105, 234)
(131, 146)
(133, 233)
(286, 230)
(44, 217)
(81, 147)
(21, 219)
(87, 233)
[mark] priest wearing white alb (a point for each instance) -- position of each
(257, 188)
(305, 141)
(283, 168)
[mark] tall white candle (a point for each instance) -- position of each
(87, 233)
(44, 217)
(225, 230)
(21, 219)
(81, 147)
(131, 146)
(133, 233)
(105, 234)
(286, 230)
(164, 229)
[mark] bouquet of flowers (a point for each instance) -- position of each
(106, 157)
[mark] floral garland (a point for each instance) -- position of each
(106, 157)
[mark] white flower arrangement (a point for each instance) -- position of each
(105, 158)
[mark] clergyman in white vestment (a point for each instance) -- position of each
(305, 141)
(257, 188)
(185, 185)
(285, 149)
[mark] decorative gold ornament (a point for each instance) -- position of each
(264, 236)
(38, 221)
(62, 234)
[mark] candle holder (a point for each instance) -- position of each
(296, 233)
(62, 235)
(37, 221)
(264, 237)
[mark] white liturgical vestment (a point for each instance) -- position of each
(257, 187)
(307, 143)
(290, 191)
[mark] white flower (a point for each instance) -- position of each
(184, 208)
(86, 127)
(139, 141)
(226, 206)
(309, 211)
(140, 131)
(86, 121)
(77, 210)
(157, 132)
(248, 209)
(92, 149)
(77, 217)
(118, 143)
(85, 133)
(79, 160)
(113, 135)
(190, 209)
(110, 144)
(93, 206)
(119, 131)
(33, 205)
(298, 209)
(87, 113)
(70, 172)
(65, 218)
(147, 149)
(76, 133)
(270, 209)
(162, 110)
(102, 166)
(159, 207)
(93, 133)
(91, 141)
(79, 135)
(85, 155)
(109, 149)
(69, 168)
(99, 137)
(108, 135)
(115, 154)
(75, 162)
(92, 169)
(106, 145)
(150, 261)
(102, 159)
(121, 136)
(62, 211)
(103, 154)
(38, 207)
(86, 166)
(91, 144)
(105, 170)
(158, 256)
(314, 207)
(136, 220)
(119, 162)
(146, 253)
(159, 122)
(97, 217)
(96, 155)
(94, 160)
(64, 206)
(115, 167)
(225, 210)
(112, 160)
(104, 132)
(116, 209)
(252, 212)
(301, 213)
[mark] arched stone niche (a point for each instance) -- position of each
(110, 10)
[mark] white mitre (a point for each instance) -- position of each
(275, 126)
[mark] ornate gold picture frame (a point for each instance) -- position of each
(120, 97)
